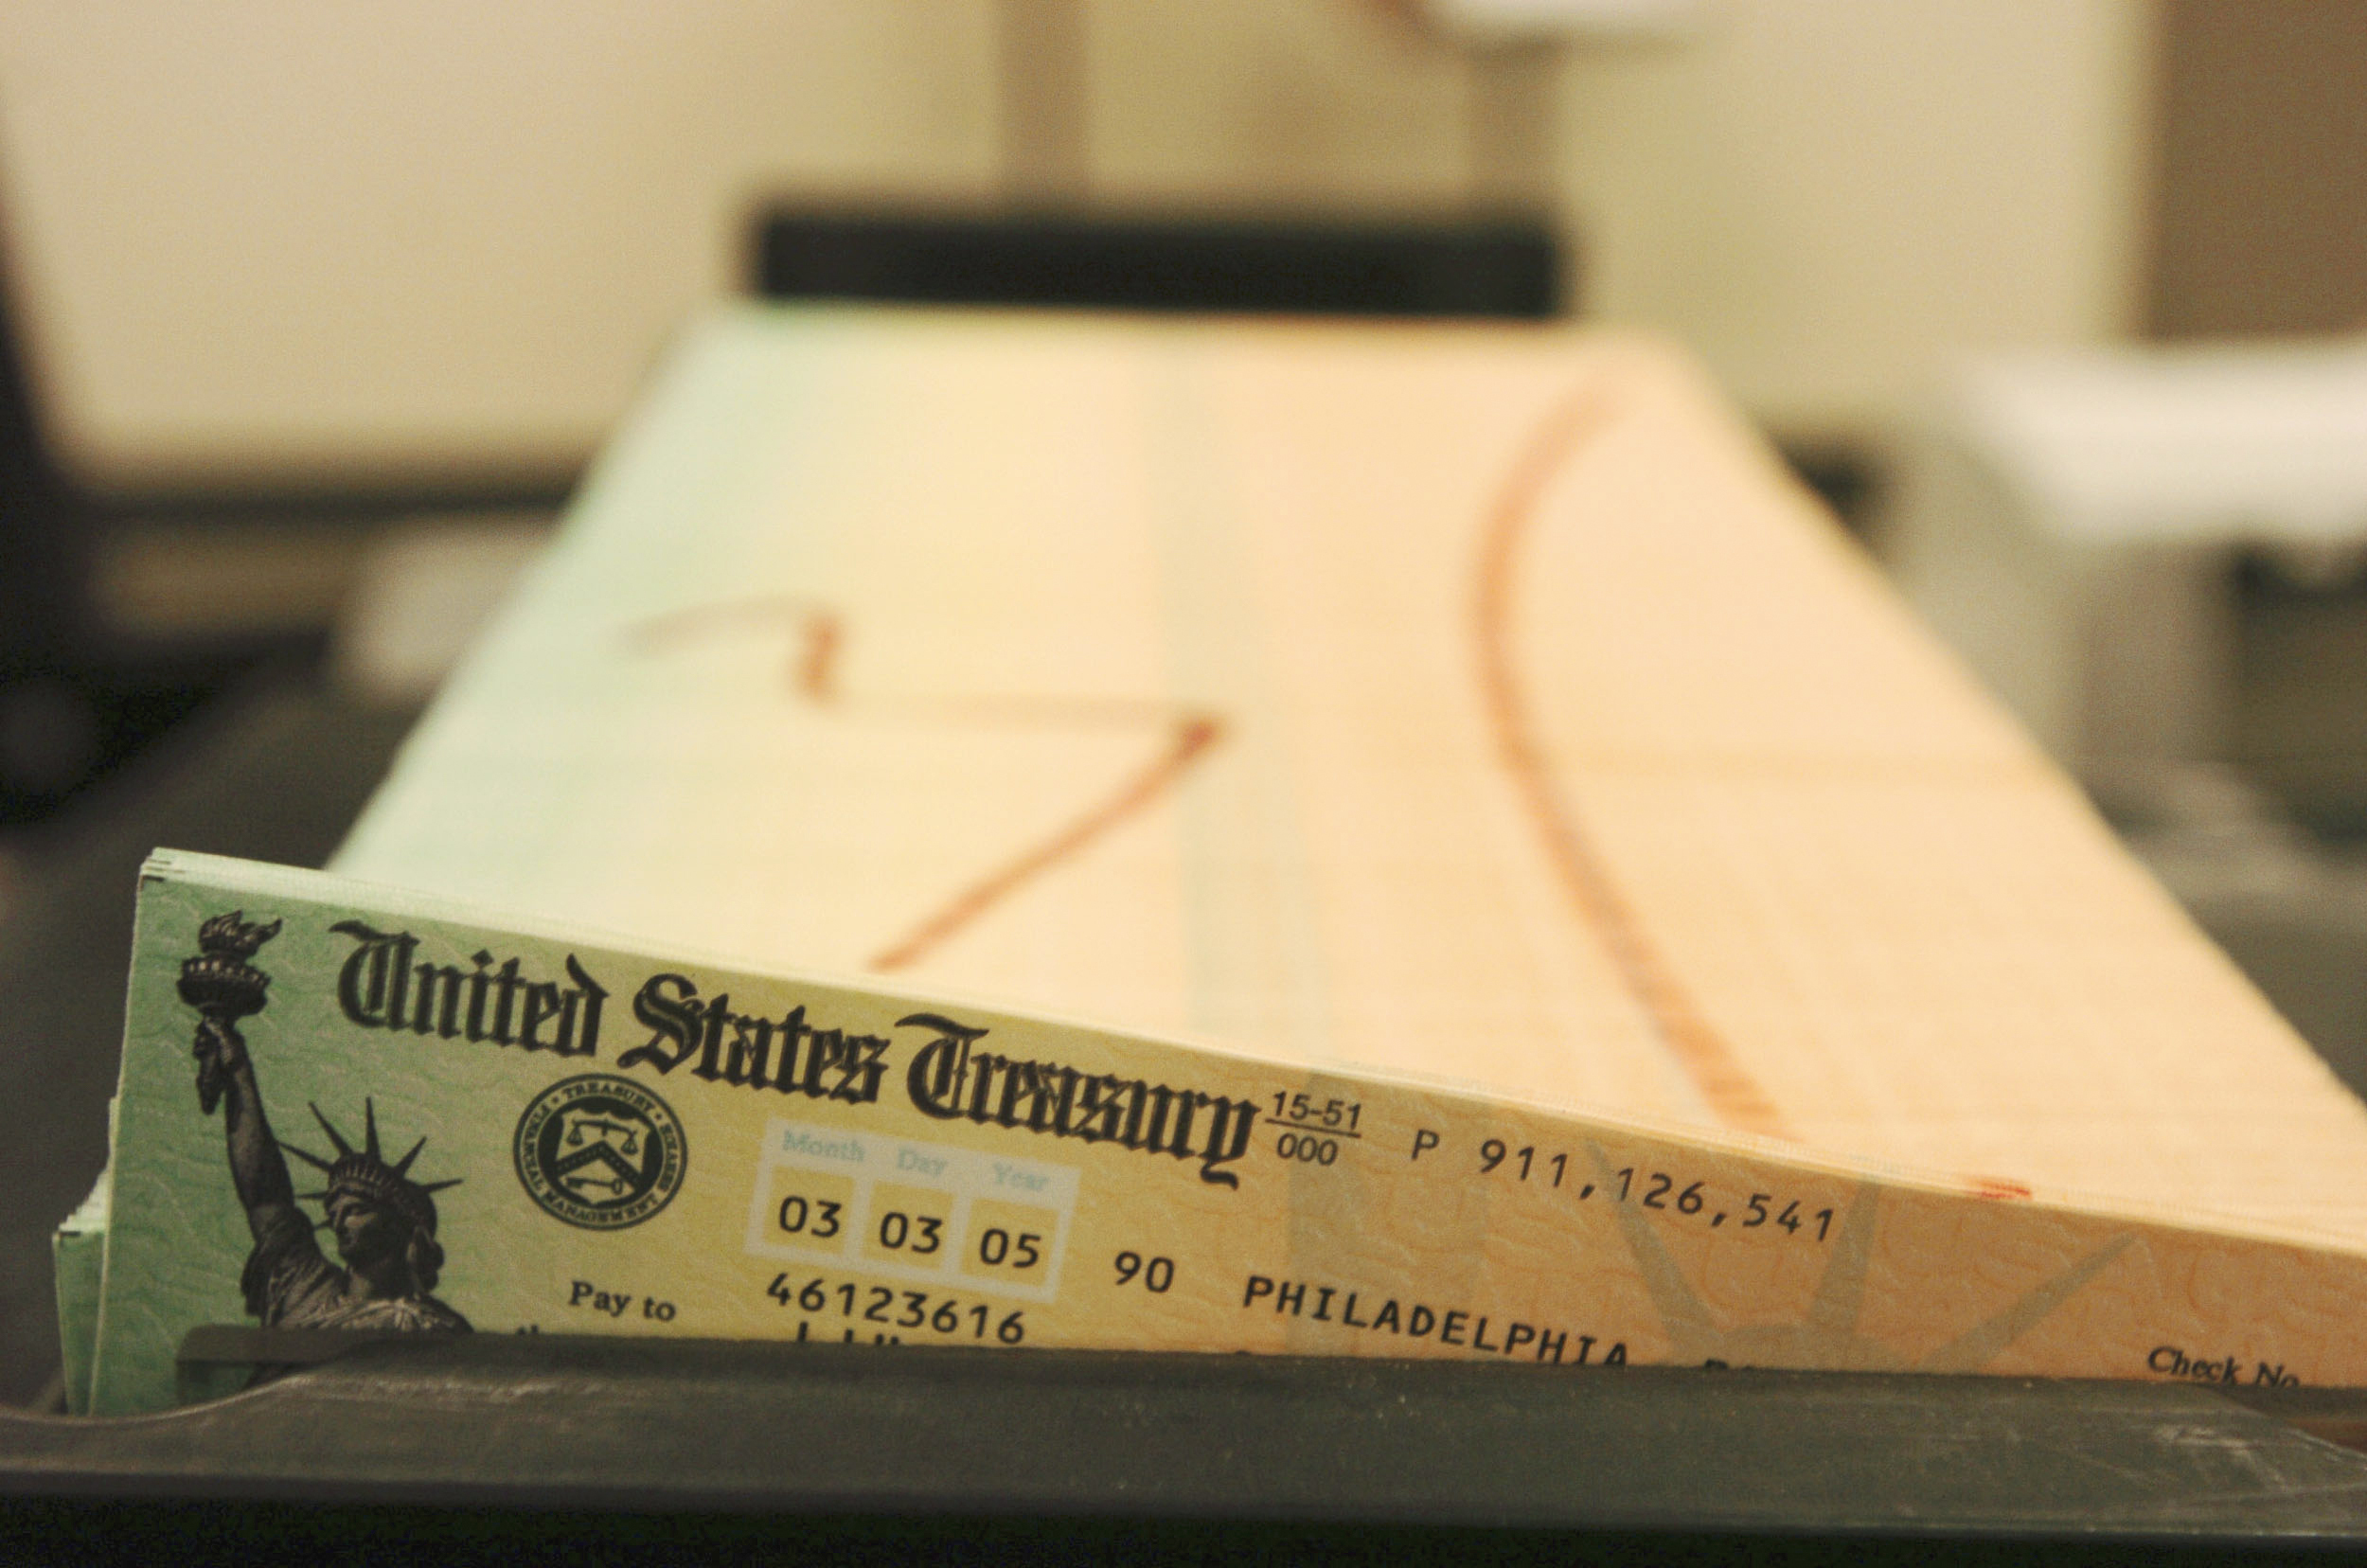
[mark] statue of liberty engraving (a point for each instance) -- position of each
(385, 1223)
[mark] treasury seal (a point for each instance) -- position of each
(599, 1152)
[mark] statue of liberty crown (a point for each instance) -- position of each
(364, 1172)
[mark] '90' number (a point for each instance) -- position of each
(1156, 1274)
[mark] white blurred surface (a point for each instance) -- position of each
(2072, 522)
(2217, 445)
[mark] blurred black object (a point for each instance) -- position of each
(2299, 707)
(39, 576)
(1848, 476)
(66, 716)
(1488, 267)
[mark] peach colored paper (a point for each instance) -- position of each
(1477, 702)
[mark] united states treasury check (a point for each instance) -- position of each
(347, 1105)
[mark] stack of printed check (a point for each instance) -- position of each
(1411, 841)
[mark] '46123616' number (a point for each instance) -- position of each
(947, 1316)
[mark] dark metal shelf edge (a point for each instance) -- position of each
(702, 1426)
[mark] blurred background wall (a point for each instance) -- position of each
(271, 244)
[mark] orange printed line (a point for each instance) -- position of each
(1704, 1054)
(812, 675)
(1193, 735)
(818, 671)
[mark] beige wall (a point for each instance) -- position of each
(1828, 197)
(431, 239)
(309, 235)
